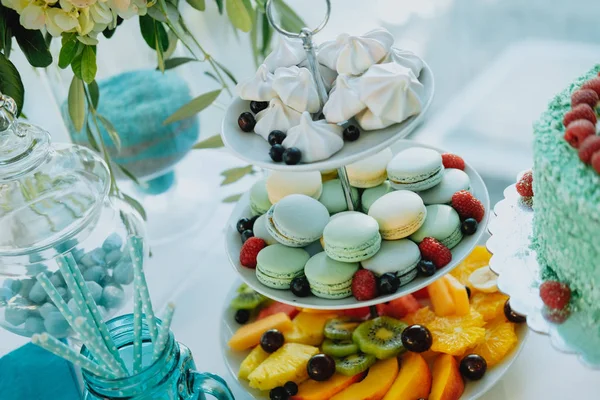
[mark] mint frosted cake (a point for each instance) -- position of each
(566, 185)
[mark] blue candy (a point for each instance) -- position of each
(34, 269)
(123, 273)
(26, 285)
(56, 324)
(57, 279)
(98, 256)
(113, 257)
(113, 242)
(13, 284)
(77, 254)
(46, 309)
(112, 296)
(64, 293)
(34, 325)
(37, 294)
(5, 294)
(95, 289)
(17, 312)
(95, 273)
(87, 260)
(73, 307)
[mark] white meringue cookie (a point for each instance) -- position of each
(277, 116)
(317, 140)
(286, 53)
(296, 88)
(369, 121)
(259, 88)
(406, 59)
(355, 54)
(391, 92)
(329, 75)
(344, 101)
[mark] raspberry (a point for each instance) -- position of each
(467, 206)
(584, 96)
(588, 147)
(453, 161)
(555, 295)
(555, 316)
(250, 250)
(578, 130)
(434, 251)
(596, 161)
(364, 285)
(593, 84)
(582, 111)
(524, 186)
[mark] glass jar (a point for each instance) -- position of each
(54, 199)
(172, 376)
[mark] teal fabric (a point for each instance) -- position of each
(137, 103)
(31, 372)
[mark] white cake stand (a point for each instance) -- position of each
(519, 277)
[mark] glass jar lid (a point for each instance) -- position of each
(48, 193)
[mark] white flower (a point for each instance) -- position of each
(101, 14)
(17, 5)
(83, 3)
(86, 23)
(121, 6)
(59, 21)
(33, 17)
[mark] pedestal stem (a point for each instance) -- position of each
(343, 175)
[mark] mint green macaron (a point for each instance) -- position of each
(259, 198)
(277, 265)
(352, 237)
(442, 223)
(334, 199)
(371, 195)
(416, 169)
(329, 279)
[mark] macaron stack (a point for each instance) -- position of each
(410, 211)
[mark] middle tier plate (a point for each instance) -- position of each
(233, 245)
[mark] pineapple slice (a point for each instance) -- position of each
(286, 364)
(252, 361)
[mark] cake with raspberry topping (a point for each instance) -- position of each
(566, 189)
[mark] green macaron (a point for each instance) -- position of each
(371, 195)
(334, 199)
(259, 198)
(352, 237)
(328, 278)
(277, 265)
(442, 223)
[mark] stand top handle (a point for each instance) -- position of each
(305, 31)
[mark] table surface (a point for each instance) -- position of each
(194, 271)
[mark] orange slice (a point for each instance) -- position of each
(499, 339)
(459, 295)
(478, 258)
(441, 299)
(489, 305)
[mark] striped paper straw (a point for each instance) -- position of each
(85, 302)
(160, 344)
(87, 336)
(59, 349)
(93, 308)
(136, 249)
(137, 333)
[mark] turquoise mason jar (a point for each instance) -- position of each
(172, 376)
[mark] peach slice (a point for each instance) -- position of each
(307, 328)
(459, 295)
(441, 299)
(413, 381)
(313, 390)
(379, 379)
(447, 381)
(249, 335)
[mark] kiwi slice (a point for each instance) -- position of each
(354, 364)
(339, 348)
(381, 337)
(247, 299)
(341, 328)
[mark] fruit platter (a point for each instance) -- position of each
(292, 238)
(448, 341)
(366, 95)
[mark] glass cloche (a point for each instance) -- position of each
(54, 199)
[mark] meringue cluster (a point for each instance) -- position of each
(366, 78)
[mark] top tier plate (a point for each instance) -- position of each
(255, 150)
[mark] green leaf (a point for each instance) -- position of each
(213, 142)
(48, 39)
(232, 199)
(69, 49)
(159, 53)
(193, 107)
(199, 5)
(235, 174)
(33, 45)
(94, 93)
(238, 14)
(10, 82)
(129, 174)
(226, 71)
(173, 39)
(163, 37)
(90, 137)
(147, 29)
(76, 66)
(88, 64)
(112, 132)
(177, 61)
(290, 21)
(220, 6)
(5, 30)
(136, 205)
(213, 76)
(76, 102)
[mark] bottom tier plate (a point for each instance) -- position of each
(519, 277)
(233, 359)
